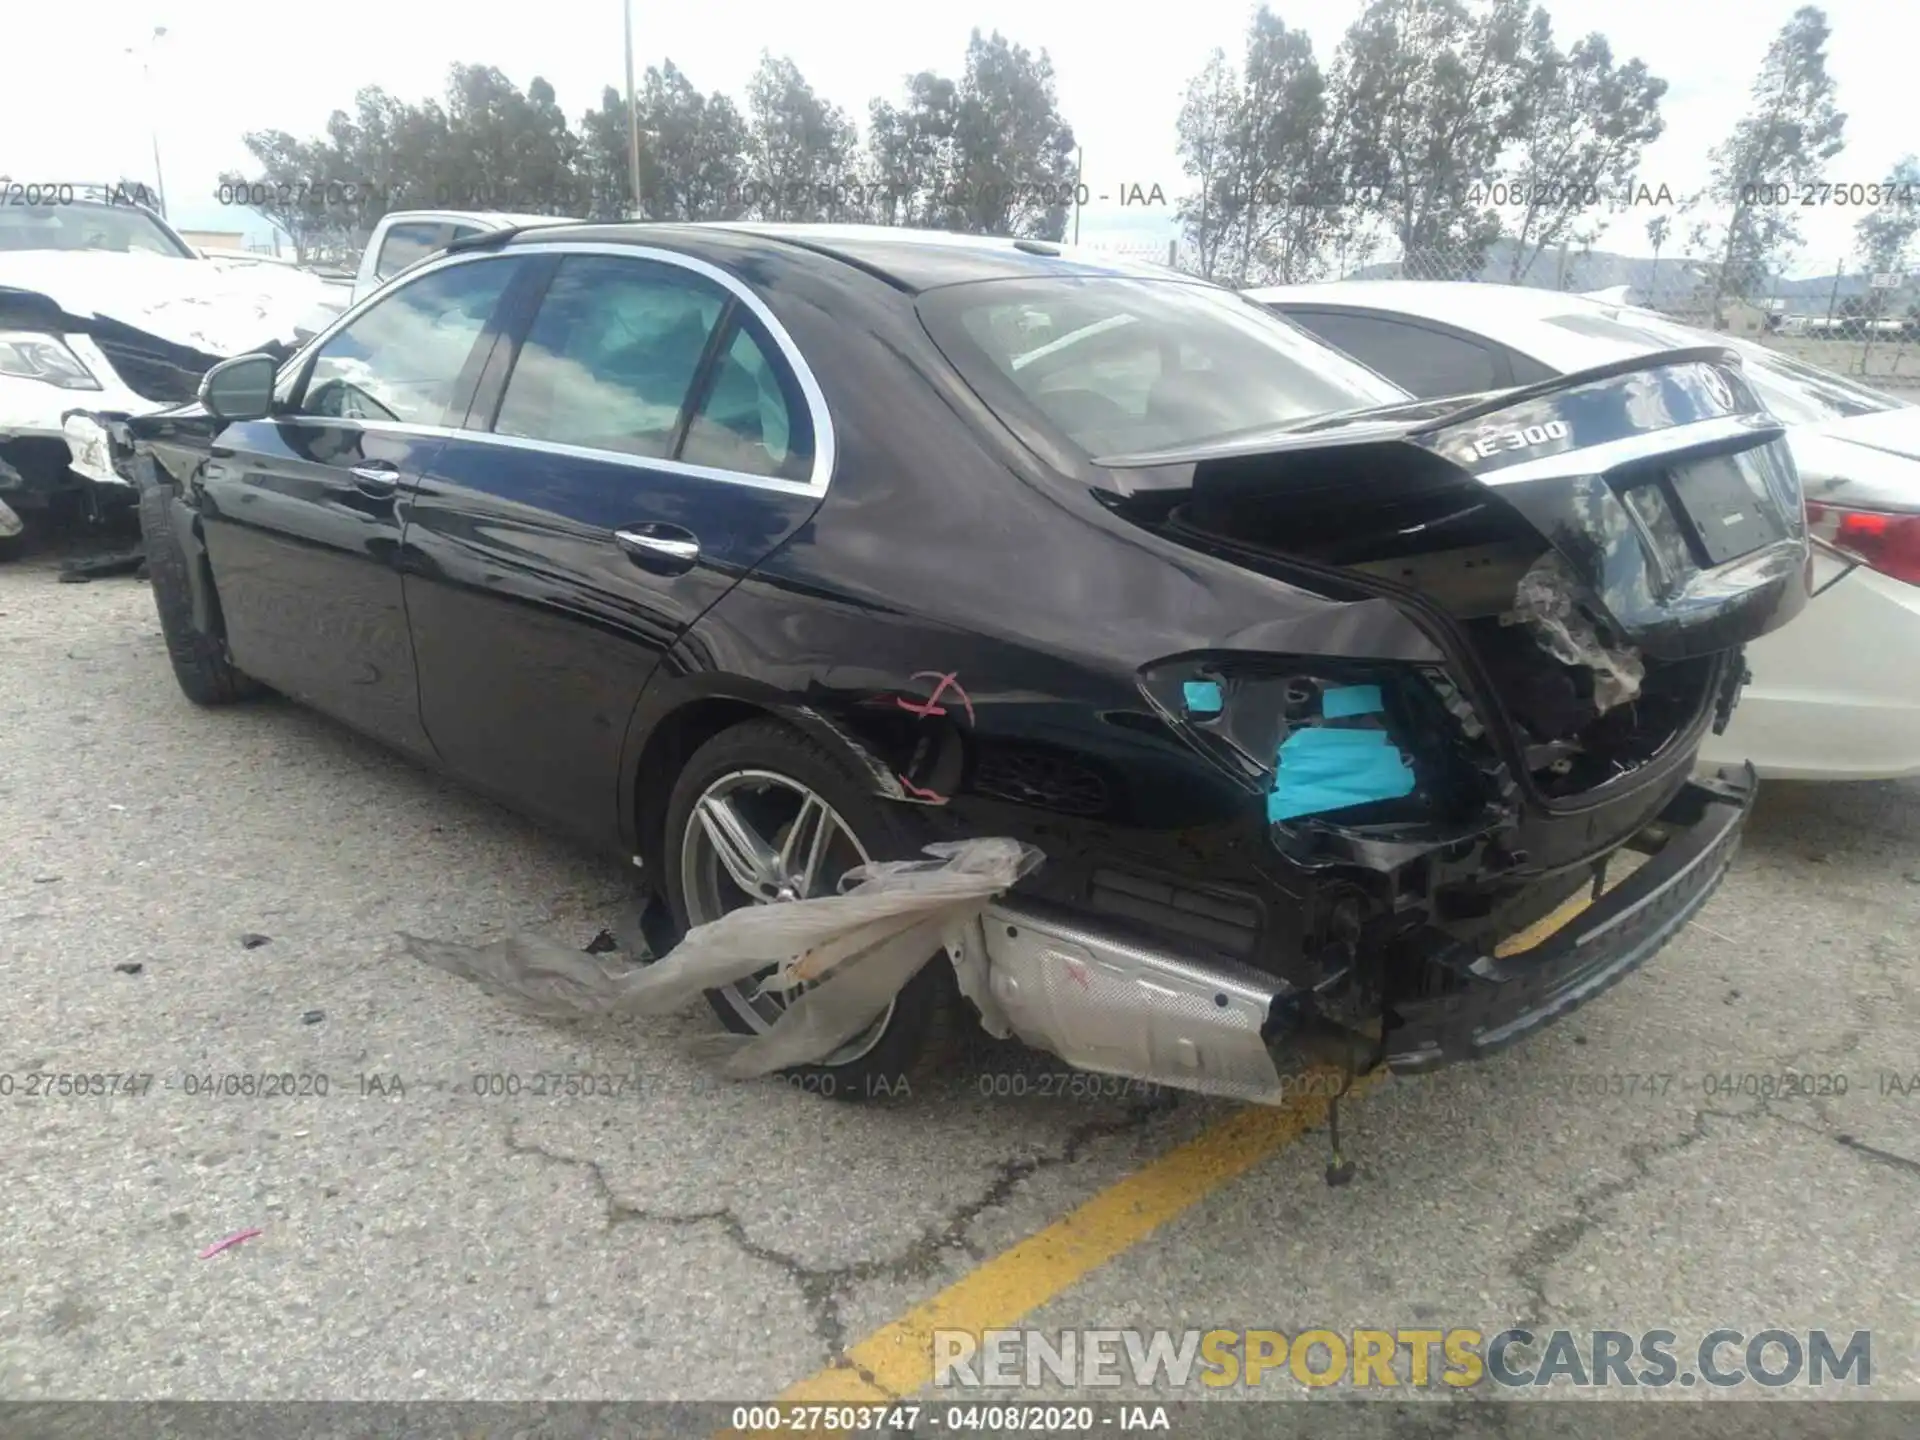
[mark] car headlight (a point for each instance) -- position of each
(27, 356)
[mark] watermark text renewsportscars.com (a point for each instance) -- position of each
(1409, 1358)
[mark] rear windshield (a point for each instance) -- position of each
(1121, 366)
(1796, 392)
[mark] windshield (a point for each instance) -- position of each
(1796, 392)
(1123, 365)
(83, 226)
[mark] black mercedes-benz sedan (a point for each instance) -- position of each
(754, 552)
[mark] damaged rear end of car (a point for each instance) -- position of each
(1483, 835)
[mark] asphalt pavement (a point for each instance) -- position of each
(452, 1200)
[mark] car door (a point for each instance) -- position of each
(1428, 361)
(641, 439)
(302, 509)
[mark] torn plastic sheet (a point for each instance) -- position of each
(836, 961)
(1545, 601)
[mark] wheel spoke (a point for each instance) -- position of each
(732, 832)
(747, 858)
(812, 832)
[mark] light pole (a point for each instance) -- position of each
(153, 127)
(633, 117)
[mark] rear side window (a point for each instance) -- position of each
(611, 356)
(1428, 363)
(404, 359)
(1123, 366)
(752, 418)
(407, 244)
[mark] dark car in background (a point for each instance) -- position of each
(753, 552)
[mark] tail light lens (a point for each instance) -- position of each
(1880, 540)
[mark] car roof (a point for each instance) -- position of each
(908, 259)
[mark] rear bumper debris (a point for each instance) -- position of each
(1108, 1002)
(1507, 998)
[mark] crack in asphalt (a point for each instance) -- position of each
(1529, 1265)
(825, 1290)
(1883, 1157)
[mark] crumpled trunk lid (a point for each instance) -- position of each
(1592, 552)
(1661, 483)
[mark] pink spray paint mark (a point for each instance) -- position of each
(931, 796)
(931, 705)
(231, 1240)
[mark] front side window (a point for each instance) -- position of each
(403, 359)
(611, 356)
(1121, 366)
(408, 245)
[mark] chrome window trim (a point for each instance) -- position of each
(824, 447)
(581, 452)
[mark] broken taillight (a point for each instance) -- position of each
(1312, 741)
(1880, 540)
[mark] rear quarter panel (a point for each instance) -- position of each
(951, 570)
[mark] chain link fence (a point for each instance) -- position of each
(1848, 319)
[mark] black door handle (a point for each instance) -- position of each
(376, 478)
(667, 549)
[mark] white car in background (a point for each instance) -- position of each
(106, 309)
(1835, 694)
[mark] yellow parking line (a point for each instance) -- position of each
(1545, 926)
(1619, 868)
(897, 1359)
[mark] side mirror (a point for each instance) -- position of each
(240, 389)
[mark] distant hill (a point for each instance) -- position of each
(1668, 281)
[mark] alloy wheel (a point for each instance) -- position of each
(757, 837)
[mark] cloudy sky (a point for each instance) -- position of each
(77, 105)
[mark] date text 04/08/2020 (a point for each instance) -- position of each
(195, 1084)
(993, 1418)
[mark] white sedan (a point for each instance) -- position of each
(1835, 694)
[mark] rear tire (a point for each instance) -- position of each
(915, 1037)
(200, 663)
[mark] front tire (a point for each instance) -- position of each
(773, 781)
(200, 663)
